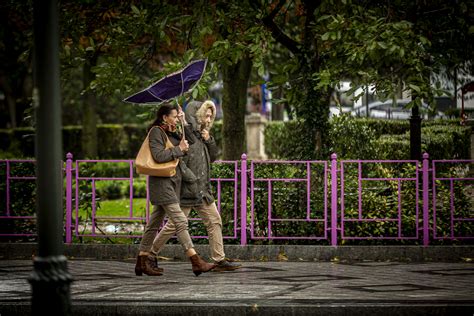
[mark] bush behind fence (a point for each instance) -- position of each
(351, 138)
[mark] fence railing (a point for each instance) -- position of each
(323, 201)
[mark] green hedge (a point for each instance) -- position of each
(353, 138)
(441, 142)
(350, 138)
(282, 140)
(398, 127)
(115, 141)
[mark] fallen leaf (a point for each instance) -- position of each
(254, 308)
(282, 257)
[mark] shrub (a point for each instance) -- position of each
(283, 140)
(350, 139)
(115, 141)
(353, 138)
(139, 189)
(441, 142)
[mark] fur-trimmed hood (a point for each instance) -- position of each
(196, 111)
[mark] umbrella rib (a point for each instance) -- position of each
(182, 83)
(150, 92)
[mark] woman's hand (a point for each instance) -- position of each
(182, 116)
(183, 145)
(205, 134)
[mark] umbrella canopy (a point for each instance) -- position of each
(171, 86)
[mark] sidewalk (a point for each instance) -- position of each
(109, 287)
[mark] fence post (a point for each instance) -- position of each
(68, 198)
(426, 236)
(243, 200)
(334, 200)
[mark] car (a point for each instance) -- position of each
(386, 110)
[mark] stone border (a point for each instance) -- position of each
(11, 251)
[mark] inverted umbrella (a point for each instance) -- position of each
(172, 85)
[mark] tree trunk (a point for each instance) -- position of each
(89, 118)
(234, 101)
(314, 111)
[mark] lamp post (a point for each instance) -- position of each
(50, 281)
(415, 133)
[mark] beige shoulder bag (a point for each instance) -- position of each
(145, 164)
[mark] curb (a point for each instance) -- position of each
(12, 251)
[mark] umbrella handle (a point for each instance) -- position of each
(182, 121)
(182, 125)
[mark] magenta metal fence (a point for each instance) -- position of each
(22, 215)
(233, 180)
(263, 182)
(75, 168)
(82, 179)
(363, 175)
(275, 200)
(452, 176)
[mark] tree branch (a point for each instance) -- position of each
(277, 33)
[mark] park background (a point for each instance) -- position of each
(280, 65)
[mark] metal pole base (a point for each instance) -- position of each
(50, 283)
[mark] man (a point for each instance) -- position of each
(196, 187)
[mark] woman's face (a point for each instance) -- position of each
(172, 118)
(207, 119)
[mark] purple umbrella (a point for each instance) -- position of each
(171, 86)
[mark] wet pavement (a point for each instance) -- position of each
(109, 287)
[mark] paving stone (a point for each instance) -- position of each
(107, 287)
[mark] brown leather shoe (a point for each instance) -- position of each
(200, 266)
(155, 264)
(138, 266)
(147, 264)
(226, 265)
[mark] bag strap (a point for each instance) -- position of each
(166, 135)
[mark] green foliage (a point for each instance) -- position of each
(283, 140)
(116, 141)
(393, 147)
(352, 138)
(444, 142)
(115, 189)
(439, 141)
(216, 132)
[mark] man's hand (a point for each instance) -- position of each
(205, 134)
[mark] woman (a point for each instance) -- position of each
(165, 192)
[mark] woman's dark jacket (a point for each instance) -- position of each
(165, 190)
(196, 187)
